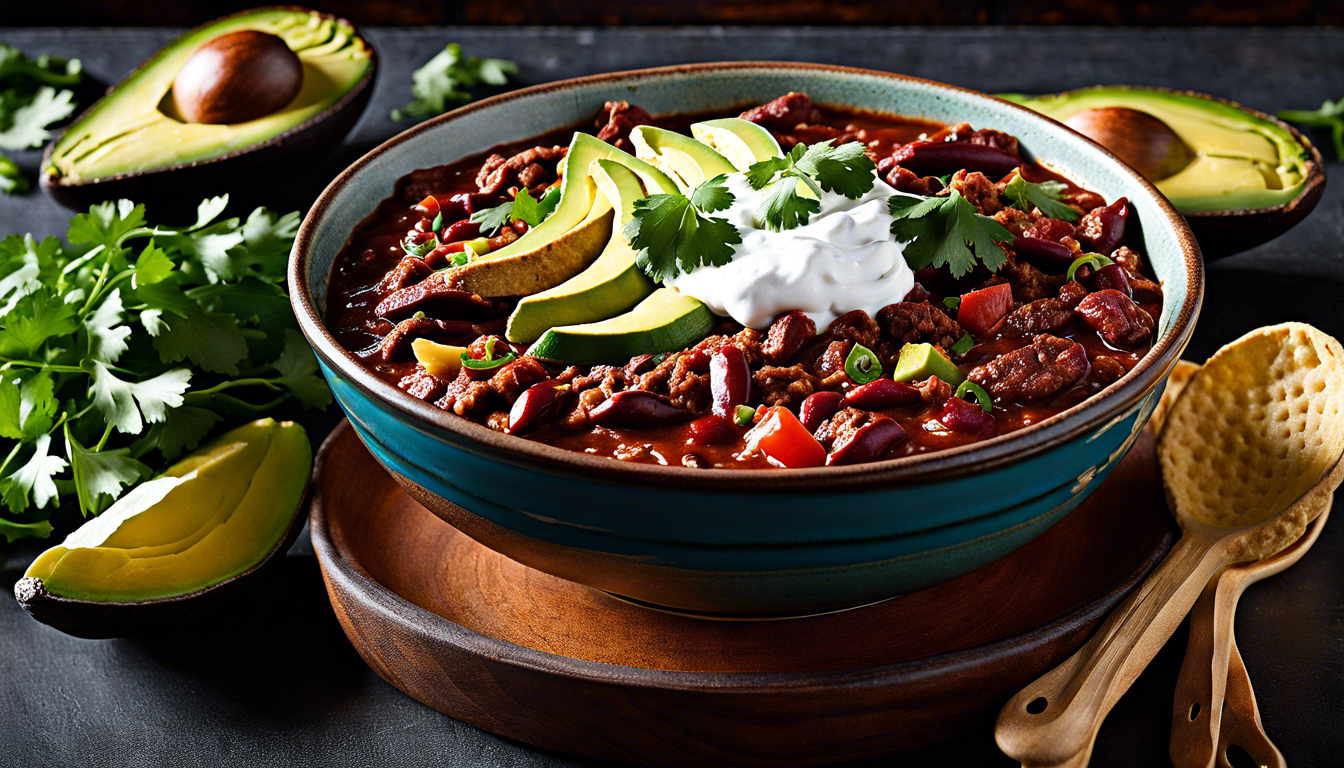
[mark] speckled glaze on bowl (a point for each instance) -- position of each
(743, 542)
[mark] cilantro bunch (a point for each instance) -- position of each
(447, 78)
(33, 95)
(131, 344)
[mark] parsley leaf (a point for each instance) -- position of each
(1330, 115)
(795, 181)
(492, 219)
(445, 79)
(674, 236)
(1045, 195)
(947, 231)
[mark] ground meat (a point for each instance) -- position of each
(933, 391)
(787, 335)
(784, 386)
(499, 173)
(466, 396)
(1115, 316)
(785, 112)
(840, 428)
(1029, 283)
(1016, 221)
(978, 190)
(1045, 315)
(513, 379)
(911, 323)
(1144, 289)
(1033, 372)
(857, 326)
(905, 180)
(748, 340)
(616, 120)
(683, 377)
(423, 385)
(409, 271)
(498, 421)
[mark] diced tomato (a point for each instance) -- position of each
(783, 438)
(981, 310)
(430, 206)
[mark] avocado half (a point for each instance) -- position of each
(1251, 177)
(173, 550)
(132, 144)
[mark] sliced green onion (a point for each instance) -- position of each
(438, 222)
(743, 415)
(963, 345)
(486, 363)
(986, 403)
(952, 302)
(1094, 260)
(862, 365)
(419, 315)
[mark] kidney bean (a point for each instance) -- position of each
(712, 430)
(1103, 229)
(697, 361)
(465, 229)
(869, 442)
(533, 406)
(637, 409)
(1050, 253)
(433, 297)
(941, 157)
(1112, 277)
(967, 418)
(418, 238)
(729, 379)
(882, 394)
(408, 271)
(469, 203)
(695, 461)
(818, 407)
(397, 344)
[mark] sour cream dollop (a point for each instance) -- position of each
(843, 259)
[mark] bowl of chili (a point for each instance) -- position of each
(776, 535)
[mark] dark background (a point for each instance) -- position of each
(661, 12)
(276, 682)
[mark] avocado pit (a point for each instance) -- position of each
(237, 77)
(1149, 145)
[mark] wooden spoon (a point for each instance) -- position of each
(1199, 717)
(1250, 452)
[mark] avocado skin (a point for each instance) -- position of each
(1223, 233)
(236, 173)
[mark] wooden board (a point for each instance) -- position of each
(535, 658)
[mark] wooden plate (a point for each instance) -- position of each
(532, 657)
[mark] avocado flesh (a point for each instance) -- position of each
(1242, 162)
(610, 285)
(742, 142)
(666, 321)
(686, 160)
(568, 240)
(241, 492)
(920, 361)
(128, 131)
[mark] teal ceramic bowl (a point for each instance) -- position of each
(743, 542)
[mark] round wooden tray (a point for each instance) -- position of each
(532, 657)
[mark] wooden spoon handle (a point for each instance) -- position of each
(1241, 719)
(1056, 717)
(1198, 706)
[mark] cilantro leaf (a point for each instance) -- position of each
(35, 318)
(107, 337)
(1330, 115)
(796, 181)
(673, 237)
(27, 118)
(763, 172)
(15, 68)
(299, 373)
(445, 79)
(784, 208)
(185, 428)
(106, 223)
(152, 267)
(526, 209)
(14, 531)
(117, 399)
(12, 180)
(1045, 196)
(492, 219)
(845, 170)
(100, 473)
(26, 405)
(34, 479)
(947, 231)
(712, 195)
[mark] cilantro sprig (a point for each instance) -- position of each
(34, 94)
(447, 79)
(845, 170)
(523, 208)
(947, 231)
(126, 347)
(1045, 196)
(1330, 115)
(675, 234)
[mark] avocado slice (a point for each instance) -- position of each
(568, 240)
(212, 518)
(1241, 160)
(920, 361)
(609, 286)
(742, 142)
(666, 321)
(686, 160)
(133, 143)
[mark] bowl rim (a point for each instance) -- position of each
(1105, 406)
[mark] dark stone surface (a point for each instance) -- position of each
(277, 683)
